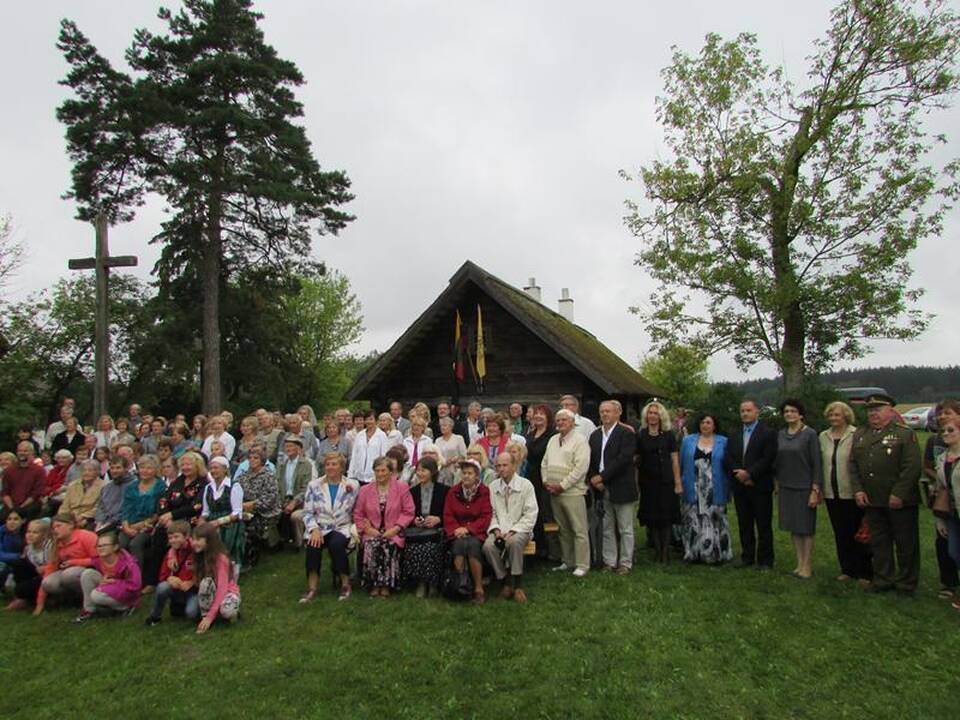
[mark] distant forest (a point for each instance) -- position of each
(907, 383)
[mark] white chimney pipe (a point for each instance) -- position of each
(532, 289)
(565, 304)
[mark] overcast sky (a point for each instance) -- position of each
(489, 131)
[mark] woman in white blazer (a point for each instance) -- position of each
(328, 519)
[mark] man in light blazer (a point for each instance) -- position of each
(294, 473)
(402, 423)
(751, 452)
(613, 478)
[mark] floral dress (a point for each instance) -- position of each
(706, 530)
(381, 566)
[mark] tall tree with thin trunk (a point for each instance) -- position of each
(780, 224)
(214, 111)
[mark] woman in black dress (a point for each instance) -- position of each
(539, 434)
(658, 468)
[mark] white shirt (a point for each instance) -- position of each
(236, 496)
(365, 451)
(583, 425)
(603, 442)
(474, 430)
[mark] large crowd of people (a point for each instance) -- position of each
(143, 510)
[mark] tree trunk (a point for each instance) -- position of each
(212, 401)
(793, 345)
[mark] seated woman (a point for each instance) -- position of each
(223, 506)
(383, 511)
(476, 453)
(176, 577)
(328, 519)
(218, 595)
(73, 552)
(28, 569)
(55, 485)
(83, 495)
(401, 468)
(182, 500)
(466, 516)
(138, 515)
(261, 499)
(112, 582)
(423, 556)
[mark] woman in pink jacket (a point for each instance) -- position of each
(383, 510)
(112, 582)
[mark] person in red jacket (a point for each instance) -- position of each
(466, 516)
(177, 583)
(73, 552)
(23, 484)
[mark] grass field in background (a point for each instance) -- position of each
(664, 642)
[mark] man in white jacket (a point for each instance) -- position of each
(515, 511)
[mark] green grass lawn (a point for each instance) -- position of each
(670, 642)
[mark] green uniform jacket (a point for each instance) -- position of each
(886, 462)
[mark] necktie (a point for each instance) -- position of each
(416, 454)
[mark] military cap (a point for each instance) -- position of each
(879, 400)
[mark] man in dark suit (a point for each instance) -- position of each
(751, 452)
(614, 481)
(459, 426)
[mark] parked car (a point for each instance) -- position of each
(917, 417)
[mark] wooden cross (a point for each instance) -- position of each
(101, 263)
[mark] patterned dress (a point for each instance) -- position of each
(381, 566)
(706, 530)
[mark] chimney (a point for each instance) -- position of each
(565, 304)
(532, 289)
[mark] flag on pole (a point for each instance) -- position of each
(481, 354)
(459, 370)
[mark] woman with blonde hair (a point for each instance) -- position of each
(386, 423)
(519, 452)
(658, 470)
(421, 410)
(845, 517)
(106, 433)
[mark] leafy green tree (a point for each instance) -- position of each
(786, 213)
(207, 121)
(328, 319)
(680, 371)
(50, 339)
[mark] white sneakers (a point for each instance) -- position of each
(579, 572)
(562, 567)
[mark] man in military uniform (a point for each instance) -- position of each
(884, 473)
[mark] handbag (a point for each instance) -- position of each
(863, 533)
(941, 503)
(423, 535)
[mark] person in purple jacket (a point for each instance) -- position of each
(112, 583)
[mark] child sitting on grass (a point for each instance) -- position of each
(112, 582)
(28, 570)
(176, 577)
(217, 591)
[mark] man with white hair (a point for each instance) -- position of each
(583, 425)
(514, 503)
(564, 470)
(614, 480)
(475, 426)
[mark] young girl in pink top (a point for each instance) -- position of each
(217, 589)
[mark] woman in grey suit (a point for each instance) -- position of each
(799, 476)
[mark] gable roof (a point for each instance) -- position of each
(574, 344)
